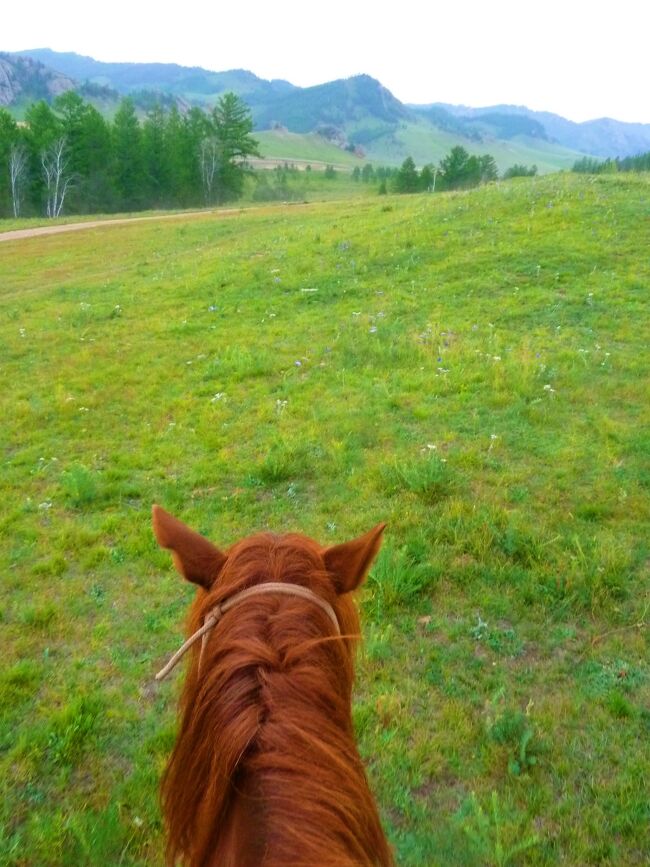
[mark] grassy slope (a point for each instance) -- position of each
(471, 369)
(423, 142)
(305, 186)
(282, 144)
(428, 144)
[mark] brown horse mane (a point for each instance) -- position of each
(265, 770)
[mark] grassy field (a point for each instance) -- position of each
(471, 368)
(10, 224)
(302, 187)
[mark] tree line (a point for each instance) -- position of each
(459, 170)
(68, 155)
(593, 166)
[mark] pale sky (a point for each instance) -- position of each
(582, 59)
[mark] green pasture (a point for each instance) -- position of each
(301, 186)
(471, 368)
(11, 224)
(282, 144)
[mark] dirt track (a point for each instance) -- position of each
(18, 234)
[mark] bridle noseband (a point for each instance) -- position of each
(216, 613)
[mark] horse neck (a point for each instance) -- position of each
(266, 759)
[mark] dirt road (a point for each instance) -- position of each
(18, 234)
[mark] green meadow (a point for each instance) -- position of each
(471, 368)
(282, 144)
(294, 185)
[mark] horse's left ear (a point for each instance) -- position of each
(195, 558)
(348, 564)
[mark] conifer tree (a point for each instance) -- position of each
(407, 179)
(154, 156)
(233, 126)
(427, 177)
(88, 144)
(128, 165)
(456, 167)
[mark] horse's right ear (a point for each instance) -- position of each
(195, 558)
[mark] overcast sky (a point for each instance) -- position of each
(576, 58)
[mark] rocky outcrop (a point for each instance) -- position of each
(23, 79)
(9, 87)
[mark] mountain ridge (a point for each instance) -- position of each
(626, 137)
(356, 112)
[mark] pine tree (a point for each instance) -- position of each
(154, 156)
(96, 189)
(456, 168)
(426, 178)
(89, 147)
(407, 179)
(128, 168)
(233, 126)
(180, 160)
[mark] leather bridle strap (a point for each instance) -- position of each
(215, 614)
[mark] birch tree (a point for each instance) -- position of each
(18, 162)
(57, 177)
(210, 160)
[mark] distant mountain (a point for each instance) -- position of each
(604, 137)
(356, 113)
(495, 124)
(272, 103)
(337, 103)
(192, 83)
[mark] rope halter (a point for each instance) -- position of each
(215, 614)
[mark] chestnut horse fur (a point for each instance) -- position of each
(265, 771)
